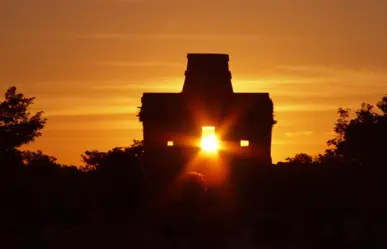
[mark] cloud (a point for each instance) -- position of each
(123, 91)
(94, 110)
(294, 89)
(140, 64)
(279, 142)
(90, 117)
(335, 73)
(318, 87)
(298, 133)
(175, 36)
(304, 107)
(330, 133)
(325, 77)
(163, 85)
(93, 121)
(131, 1)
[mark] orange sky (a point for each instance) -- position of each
(88, 62)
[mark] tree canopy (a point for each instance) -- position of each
(95, 159)
(18, 126)
(360, 137)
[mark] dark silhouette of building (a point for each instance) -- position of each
(173, 122)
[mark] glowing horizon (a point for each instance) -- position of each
(88, 62)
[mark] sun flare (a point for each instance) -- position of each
(209, 142)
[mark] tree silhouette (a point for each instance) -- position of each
(94, 159)
(17, 125)
(111, 186)
(119, 179)
(38, 158)
(301, 158)
(362, 139)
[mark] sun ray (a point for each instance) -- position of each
(209, 141)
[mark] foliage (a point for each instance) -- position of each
(17, 125)
(34, 158)
(301, 158)
(94, 159)
(361, 139)
(112, 184)
(118, 179)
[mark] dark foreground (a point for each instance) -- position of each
(210, 220)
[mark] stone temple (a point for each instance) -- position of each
(173, 123)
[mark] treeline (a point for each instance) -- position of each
(38, 193)
(345, 182)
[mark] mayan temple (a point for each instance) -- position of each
(174, 123)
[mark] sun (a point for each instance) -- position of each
(209, 142)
